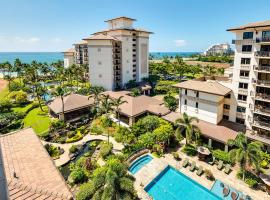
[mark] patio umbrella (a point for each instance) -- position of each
(203, 150)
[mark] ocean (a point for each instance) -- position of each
(28, 57)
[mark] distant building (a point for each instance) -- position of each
(219, 49)
(115, 56)
(69, 57)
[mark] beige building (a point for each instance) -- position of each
(81, 53)
(118, 54)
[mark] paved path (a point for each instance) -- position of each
(64, 158)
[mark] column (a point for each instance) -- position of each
(131, 121)
(226, 149)
(210, 143)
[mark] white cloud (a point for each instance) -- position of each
(180, 43)
(31, 40)
(57, 40)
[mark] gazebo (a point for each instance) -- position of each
(75, 106)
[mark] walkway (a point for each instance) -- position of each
(64, 158)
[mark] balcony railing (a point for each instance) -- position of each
(263, 83)
(262, 53)
(260, 123)
(262, 109)
(263, 96)
(245, 67)
(245, 41)
(263, 39)
(262, 68)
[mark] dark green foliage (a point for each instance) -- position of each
(222, 155)
(105, 149)
(190, 150)
(170, 102)
(251, 179)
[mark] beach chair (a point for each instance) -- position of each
(185, 163)
(227, 169)
(193, 166)
(220, 165)
(212, 162)
(200, 171)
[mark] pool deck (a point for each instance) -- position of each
(147, 173)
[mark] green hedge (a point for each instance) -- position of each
(222, 155)
(106, 149)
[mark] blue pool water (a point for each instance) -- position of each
(139, 163)
(171, 184)
(218, 190)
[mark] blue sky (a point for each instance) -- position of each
(179, 25)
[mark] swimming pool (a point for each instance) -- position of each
(217, 188)
(171, 184)
(139, 163)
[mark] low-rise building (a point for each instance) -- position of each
(69, 57)
(219, 49)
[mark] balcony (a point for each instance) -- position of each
(241, 115)
(260, 68)
(261, 124)
(262, 110)
(242, 91)
(263, 83)
(262, 54)
(241, 42)
(262, 96)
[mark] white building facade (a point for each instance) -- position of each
(118, 55)
(251, 78)
(69, 57)
(218, 49)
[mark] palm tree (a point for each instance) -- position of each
(187, 123)
(95, 93)
(8, 67)
(18, 68)
(61, 92)
(117, 103)
(247, 154)
(110, 182)
(106, 107)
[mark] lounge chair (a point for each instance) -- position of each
(227, 169)
(193, 166)
(234, 195)
(212, 162)
(226, 191)
(220, 165)
(185, 163)
(200, 171)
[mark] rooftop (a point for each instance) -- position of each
(29, 170)
(71, 102)
(260, 24)
(121, 17)
(71, 50)
(127, 29)
(208, 86)
(138, 105)
(101, 37)
(221, 132)
(80, 42)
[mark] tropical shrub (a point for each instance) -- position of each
(209, 175)
(251, 179)
(264, 164)
(176, 155)
(53, 151)
(78, 136)
(124, 135)
(19, 97)
(222, 155)
(73, 149)
(14, 86)
(86, 191)
(77, 175)
(163, 87)
(5, 105)
(105, 149)
(170, 102)
(190, 150)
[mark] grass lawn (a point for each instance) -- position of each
(4, 93)
(38, 120)
(22, 109)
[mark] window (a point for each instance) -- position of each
(99, 49)
(226, 117)
(197, 105)
(228, 96)
(244, 73)
(243, 85)
(99, 62)
(197, 94)
(240, 121)
(240, 109)
(247, 35)
(185, 102)
(245, 61)
(185, 91)
(246, 48)
(226, 106)
(242, 97)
